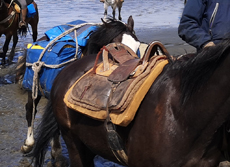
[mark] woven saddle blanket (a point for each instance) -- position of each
(96, 92)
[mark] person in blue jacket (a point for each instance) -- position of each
(205, 22)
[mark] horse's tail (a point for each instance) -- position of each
(47, 129)
(22, 31)
(20, 68)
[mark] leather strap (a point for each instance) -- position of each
(8, 17)
(154, 46)
(120, 52)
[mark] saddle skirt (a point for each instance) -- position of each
(105, 87)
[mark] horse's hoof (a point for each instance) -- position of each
(61, 161)
(2, 66)
(26, 149)
(9, 62)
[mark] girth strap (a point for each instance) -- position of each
(114, 140)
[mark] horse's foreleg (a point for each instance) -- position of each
(119, 11)
(106, 9)
(35, 35)
(12, 52)
(5, 48)
(114, 12)
(29, 142)
(34, 30)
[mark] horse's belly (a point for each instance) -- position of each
(110, 2)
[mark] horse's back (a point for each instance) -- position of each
(114, 3)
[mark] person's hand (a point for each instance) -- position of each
(209, 44)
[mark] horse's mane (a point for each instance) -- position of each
(195, 71)
(104, 35)
(7, 1)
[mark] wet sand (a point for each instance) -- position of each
(13, 126)
(168, 37)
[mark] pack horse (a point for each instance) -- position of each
(90, 41)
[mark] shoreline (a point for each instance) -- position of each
(168, 37)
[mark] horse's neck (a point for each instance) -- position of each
(209, 106)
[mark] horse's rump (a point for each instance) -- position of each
(94, 91)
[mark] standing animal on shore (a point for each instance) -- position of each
(114, 4)
(9, 22)
(180, 122)
(115, 31)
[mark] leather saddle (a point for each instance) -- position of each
(112, 84)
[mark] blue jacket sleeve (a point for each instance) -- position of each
(191, 29)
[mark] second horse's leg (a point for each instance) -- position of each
(119, 11)
(5, 48)
(106, 9)
(114, 12)
(29, 142)
(56, 152)
(12, 52)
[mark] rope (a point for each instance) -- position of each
(36, 66)
(114, 140)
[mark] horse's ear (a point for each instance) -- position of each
(130, 23)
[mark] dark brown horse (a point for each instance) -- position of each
(179, 122)
(111, 31)
(9, 20)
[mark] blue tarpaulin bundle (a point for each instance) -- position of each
(101, 162)
(61, 51)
